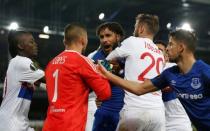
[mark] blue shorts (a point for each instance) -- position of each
(105, 120)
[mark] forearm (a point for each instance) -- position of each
(113, 55)
(131, 86)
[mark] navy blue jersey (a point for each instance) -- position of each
(116, 102)
(193, 91)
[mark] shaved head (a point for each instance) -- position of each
(73, 32)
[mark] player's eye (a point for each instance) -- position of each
(101, 36)
(108, 35)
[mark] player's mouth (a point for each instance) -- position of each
(107, 46)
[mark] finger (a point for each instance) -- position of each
(101, 70)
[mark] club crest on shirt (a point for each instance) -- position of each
(195, 83)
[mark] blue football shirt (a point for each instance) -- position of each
(193, 91)
(116, 102)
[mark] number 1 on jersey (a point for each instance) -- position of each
(55, 95)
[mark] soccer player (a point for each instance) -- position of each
(20, 81)
(107, 115)
(143, 61)
(69, 78)
(174, 112)
(190, 79)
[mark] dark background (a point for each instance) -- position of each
(33, 15)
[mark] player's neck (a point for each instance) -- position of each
(186, 63)
(23, 55)
(74, 47)
(147, 36)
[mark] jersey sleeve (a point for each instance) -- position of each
(28, 72)
(94, 80)
(121, 52)
(160, 81)
(92, 54)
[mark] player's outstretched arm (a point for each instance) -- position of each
(131, 86)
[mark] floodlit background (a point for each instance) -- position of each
(46, 19)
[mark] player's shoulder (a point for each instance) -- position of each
(20, 62)
(172, 69)
(137, 40)
(21, 59)
(132, 39)
(92, 54)
(168, 65)
(201, 65)
(79, 58)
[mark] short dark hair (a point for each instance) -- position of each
(14, 40)
(161, 42)
(187, 37)
(152, 22)
(74, 31)
(113, 26)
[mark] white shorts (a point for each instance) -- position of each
(141, 120)
(14, 124)
(176, 117)
(90, 116)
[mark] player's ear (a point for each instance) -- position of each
(82, 41)
(140, 28)
(20, 46)
(181, 47)
(118, 38)
(64, 41)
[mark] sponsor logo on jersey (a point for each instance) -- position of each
(190, 96)
(173, 82)
(53, 109)
(195, 83)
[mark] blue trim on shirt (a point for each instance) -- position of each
(25, 92)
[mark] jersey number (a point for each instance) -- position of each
(154, 63)
(55, 95)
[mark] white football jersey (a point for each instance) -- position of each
(92, 95)
(91, 104)
(17, 94)
(143, 61)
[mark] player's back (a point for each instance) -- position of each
(62, 77)
(143, 61)
(68, 89)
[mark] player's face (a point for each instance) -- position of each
(173, 50)
(29, 46)
(163, 49)
(108, 40)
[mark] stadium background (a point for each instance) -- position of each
(34, 15)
